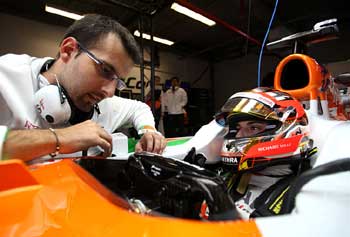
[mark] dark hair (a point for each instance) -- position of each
(175, 78)
(93, 27)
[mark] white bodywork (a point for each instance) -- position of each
(323, 205)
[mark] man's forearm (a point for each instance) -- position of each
(29, 144)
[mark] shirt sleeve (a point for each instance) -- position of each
(183, 101)
(164, 102)
(117, 112)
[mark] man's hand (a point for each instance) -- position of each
(151, 142)
(34, 143)
(83, 136)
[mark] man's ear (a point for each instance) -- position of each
(68, 48)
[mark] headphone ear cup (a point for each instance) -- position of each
(47, 101)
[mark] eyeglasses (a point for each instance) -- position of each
(105, 70)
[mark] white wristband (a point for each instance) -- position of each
(145, 130)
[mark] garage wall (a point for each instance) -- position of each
(22, 35)
(337, 68)
(240, 74)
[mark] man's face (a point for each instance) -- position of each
(250, 128)
(83, 78)
(174, 82)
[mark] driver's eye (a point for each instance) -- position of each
(256, 129)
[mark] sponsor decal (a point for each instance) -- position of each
(40, 107)
(275, 147)
(276, 206)
(155, 170)
(232, 158)
(134, 83)
(29, 125)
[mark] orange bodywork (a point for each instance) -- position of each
(306, 80)
(60, 198)
(315, 73)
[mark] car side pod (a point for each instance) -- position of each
(60, 198)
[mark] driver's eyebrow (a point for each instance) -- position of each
(256, 122)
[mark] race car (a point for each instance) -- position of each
(174, 194)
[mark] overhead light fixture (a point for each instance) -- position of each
(63, 13)
(184, 10)
(157, 39)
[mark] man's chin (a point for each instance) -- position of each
(85, 107)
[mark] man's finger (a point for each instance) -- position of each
(149, 139)
(163, 145)
(105, 135)
(138, 147)
(157, 144)
(106, 146)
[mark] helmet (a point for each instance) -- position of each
(265, 127)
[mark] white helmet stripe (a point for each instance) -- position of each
(254, 96)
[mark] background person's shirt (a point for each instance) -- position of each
(175, 101)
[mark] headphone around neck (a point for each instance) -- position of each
(54, 104)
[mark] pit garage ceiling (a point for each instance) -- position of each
(194, 39)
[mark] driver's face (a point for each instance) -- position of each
(250, 128)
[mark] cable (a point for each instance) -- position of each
(264, 42)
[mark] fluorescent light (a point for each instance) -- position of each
(62, 13)
(184, 10)
(157, 39)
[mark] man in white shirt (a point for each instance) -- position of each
(67, 104)
(174, 103)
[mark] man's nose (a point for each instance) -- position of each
(240, 133)
(109, 88)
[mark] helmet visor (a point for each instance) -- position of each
(249, 106)
(239, 108)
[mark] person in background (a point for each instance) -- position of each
(174, 103)
(66, 105)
